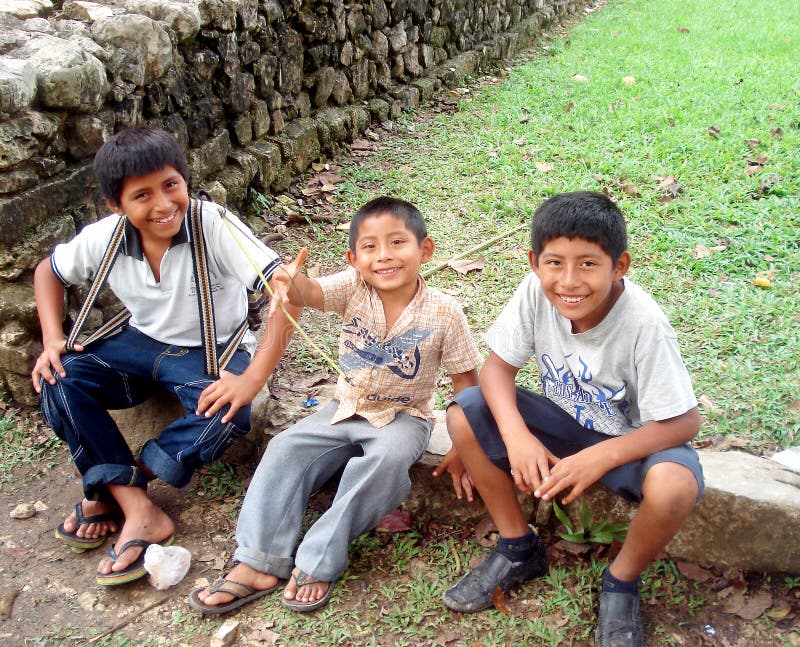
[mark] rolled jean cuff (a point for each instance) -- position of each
(262, 562)
(164, 466)
(96, 478)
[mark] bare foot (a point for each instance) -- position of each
(242, 574)
(310, 592)
(91, 530)
(143, 520)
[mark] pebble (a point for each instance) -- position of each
(23, 511)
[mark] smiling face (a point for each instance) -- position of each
(154, 203)
(388, 255)
(580, 279)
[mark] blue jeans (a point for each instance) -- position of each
(120, 372)
(298, 462)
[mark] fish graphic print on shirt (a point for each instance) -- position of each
(594, 406)
(400, 354)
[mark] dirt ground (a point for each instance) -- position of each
(48, 595)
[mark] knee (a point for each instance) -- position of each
(458, 426)
(671, 489)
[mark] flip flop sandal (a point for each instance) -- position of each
(82, 544)
(135, 570)
(242, 593)
(301, 579)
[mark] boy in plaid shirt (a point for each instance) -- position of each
(396, 332)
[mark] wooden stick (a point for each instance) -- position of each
(129, 619)
(472, 250)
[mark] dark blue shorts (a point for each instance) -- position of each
(563, 436)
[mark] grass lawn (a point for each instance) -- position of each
(688, 114)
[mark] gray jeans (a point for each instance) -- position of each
(299, 461)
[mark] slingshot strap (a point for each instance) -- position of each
(103, 271)
(208, 332)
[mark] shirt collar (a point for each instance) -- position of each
(132, 242)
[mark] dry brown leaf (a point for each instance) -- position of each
(493, 154)
(735, 602)
(752, 169)
(362, 145)
(755, 606)
(580, 78)
(701, 251)
(344, 226)
(708, 404)
(683, 30)
(714, 131)
(694, 572)
(7, 604)
(499, 601)
(569, 107)
(544, 167)
(631, 190)
(464, 265)
(780, 609)
(753, 142)
(628, 80)
(777, 133)
(486, 532)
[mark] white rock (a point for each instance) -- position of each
(23, 511)
(226, 634)
(167, 565)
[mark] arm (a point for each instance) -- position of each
(451, 462)
(293, 287)
(49, 293)
(529, 458)
(580, 470)
(239, 390)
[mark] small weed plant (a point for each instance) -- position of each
(602, 532)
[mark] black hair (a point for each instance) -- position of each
(401, 209)
(134, 152)
(580, 214)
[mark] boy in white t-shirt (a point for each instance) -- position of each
(617, 406)
(142, 174)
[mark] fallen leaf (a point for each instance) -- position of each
(572, 547)
(344, 226)
(544, 167)
(777, 106)
(485, 532)
(764, 279)
(580, 78)
(780, 609)
(264, 636)
(683, 30)
(518, 142)
(631, 190)
(362, 145)
(755, 606)
(777, 133)
(499, 601)
(523, 118)
(446, 637)
(735, 603)
(753, 142)
(396, 521)
(708, 404)
(701, 251)
(628, 80)
(493, 154)
(694, 572)
(7, 603)
(714, 131)
(464, 265)
(569, 107)
(752, 169)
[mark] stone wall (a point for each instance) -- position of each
(255, 91)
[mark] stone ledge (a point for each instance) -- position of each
(749, 515)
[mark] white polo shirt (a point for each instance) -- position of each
(168, 310)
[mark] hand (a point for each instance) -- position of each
(462, 484)
(578, 472)
(50, 361)
(235, 390)
(530, 460)
(282, 281)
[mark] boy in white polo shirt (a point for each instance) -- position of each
(396, 332)
(142, 174)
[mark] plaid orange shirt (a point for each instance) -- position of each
(395, 370)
